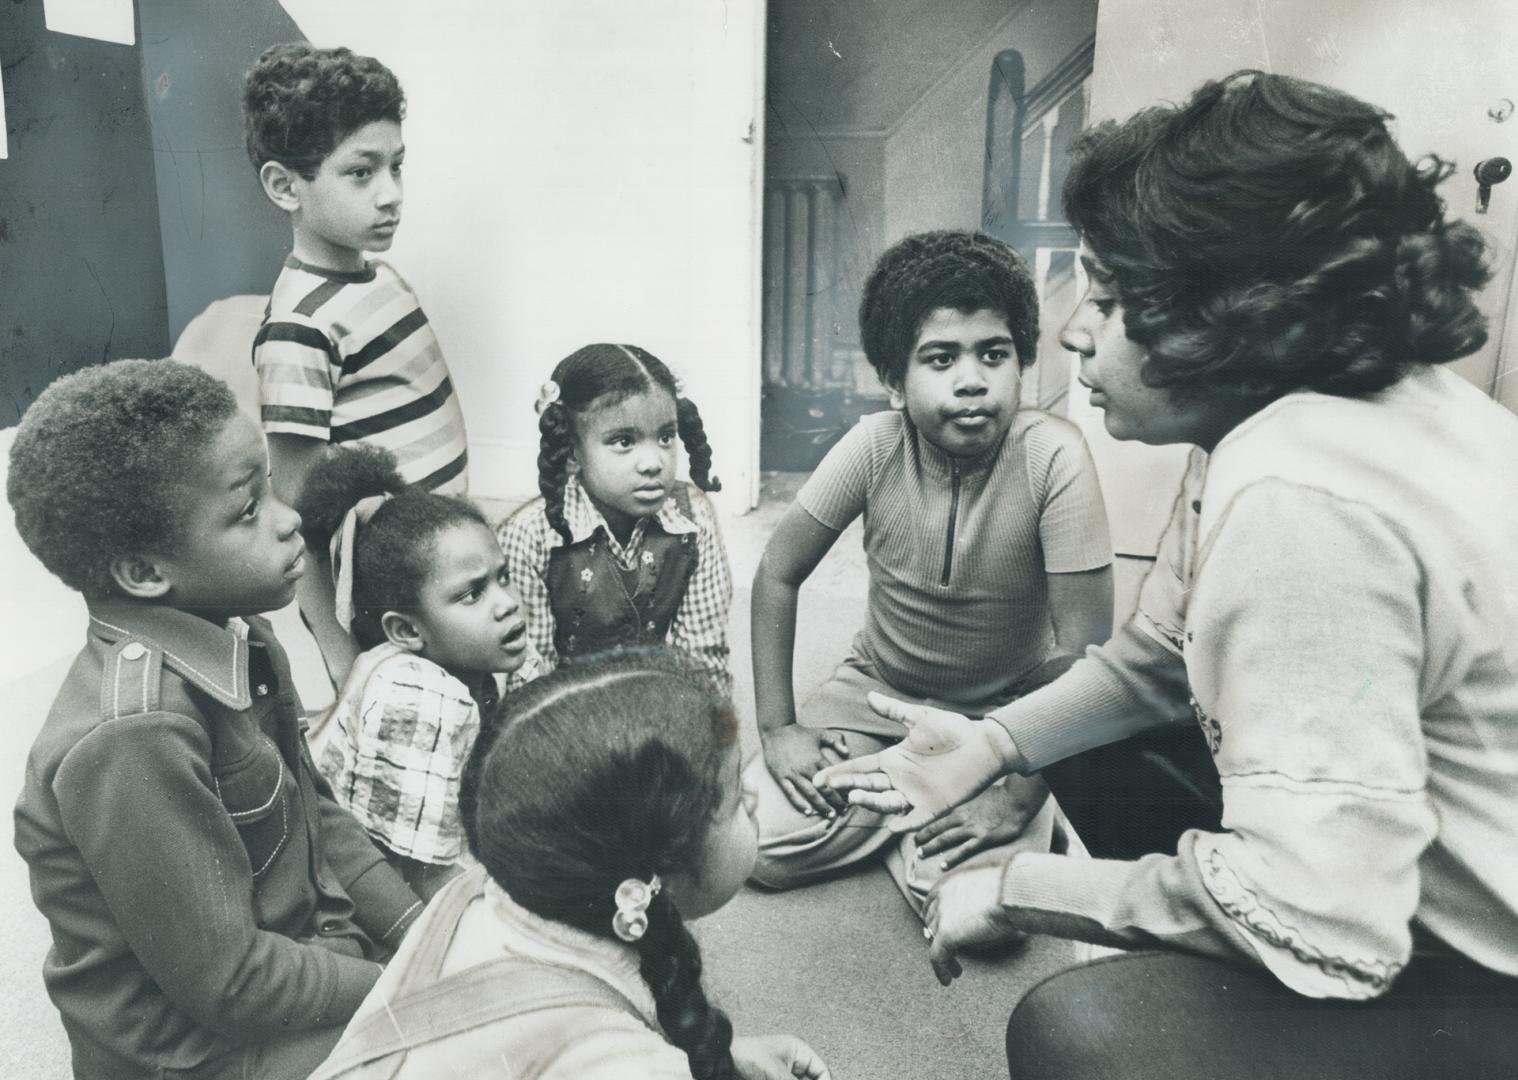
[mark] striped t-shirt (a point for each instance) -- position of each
(958, 549)
(350, 357)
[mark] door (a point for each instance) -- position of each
(1446, 72)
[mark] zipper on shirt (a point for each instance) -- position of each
(948, 543)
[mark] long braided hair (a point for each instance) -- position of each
(608, 769)
(597, 376)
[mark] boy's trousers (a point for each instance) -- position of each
(795, 848)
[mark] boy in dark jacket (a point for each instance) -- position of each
(214, 913)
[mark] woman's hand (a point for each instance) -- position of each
(963, 911)
(996, 816)
(944, 759)
(794, 754)
(777, 1057)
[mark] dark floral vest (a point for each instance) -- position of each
(599, 605)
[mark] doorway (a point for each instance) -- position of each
(889, 117)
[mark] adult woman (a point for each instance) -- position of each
(1335, 601)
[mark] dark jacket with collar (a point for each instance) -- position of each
(203, 889)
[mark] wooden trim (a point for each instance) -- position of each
(1058, 84)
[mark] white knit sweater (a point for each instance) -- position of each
(1336, 602)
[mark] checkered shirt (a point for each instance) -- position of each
(700, 624)
(394, 750)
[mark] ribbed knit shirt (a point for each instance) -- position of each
(350, 357)
(1335, 602)
(958, 548)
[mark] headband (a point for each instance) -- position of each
(341, 551)
(633, 897)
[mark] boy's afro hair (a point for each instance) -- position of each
(299, 102)
(967, 271)
(98, 466)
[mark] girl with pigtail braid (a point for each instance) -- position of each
(608, 808)
(618, 551)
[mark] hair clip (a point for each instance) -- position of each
(548, 393)
(633, 897)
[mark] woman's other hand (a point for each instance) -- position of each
(963, 911)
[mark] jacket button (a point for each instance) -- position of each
(134, 650)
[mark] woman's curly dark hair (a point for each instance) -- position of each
(599, 376)
(966, 271)
(299, 102)
(1268, 235)
(393, 551)
(607, 769)
(98, 466)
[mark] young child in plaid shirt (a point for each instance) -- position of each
(421, 584)
(617, 551)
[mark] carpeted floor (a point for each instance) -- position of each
(842, 964)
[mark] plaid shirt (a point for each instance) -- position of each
(700, 625)
(394, 748)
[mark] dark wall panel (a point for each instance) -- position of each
(221, 236)
(81, 263)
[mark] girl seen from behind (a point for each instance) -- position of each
(607, 810)
(422, 586)
(617, 551)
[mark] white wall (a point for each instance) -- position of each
(578, 171)
(933, 170)
(1437, 67)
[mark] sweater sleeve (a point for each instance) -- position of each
(1072, 524)
(1134, 682)
(1306, 651)
(700, 624)
(383, 904)
(525, 542)
(183, 901)
(615, 1046)
(837, 491)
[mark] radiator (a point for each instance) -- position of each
(800, 256)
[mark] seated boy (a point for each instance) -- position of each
(345, 352)
(988, 552)
(214, 913)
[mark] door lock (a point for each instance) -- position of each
(1491, 171)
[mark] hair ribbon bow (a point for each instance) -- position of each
(341, 552)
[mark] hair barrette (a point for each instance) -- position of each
(633, 897)
(548, 393)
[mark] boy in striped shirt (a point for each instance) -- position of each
(345, 353)
(988, 553)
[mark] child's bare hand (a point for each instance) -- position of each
(777, 1057)
(996, 816)
(794, 754)
(963, 911)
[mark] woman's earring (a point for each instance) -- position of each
(898, 400)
